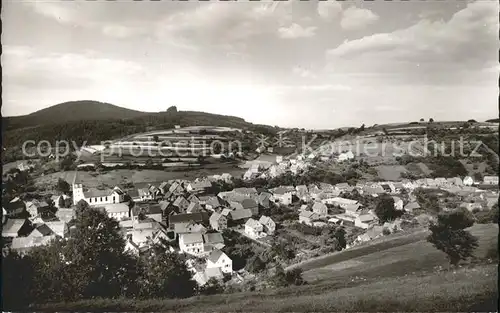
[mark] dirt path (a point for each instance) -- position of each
(354, 252)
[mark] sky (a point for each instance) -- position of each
(311, 64)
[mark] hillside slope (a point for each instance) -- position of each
(93, 122)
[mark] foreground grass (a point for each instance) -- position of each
(461, 290)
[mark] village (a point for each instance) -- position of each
(195, 217)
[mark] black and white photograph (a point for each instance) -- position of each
(250, 156)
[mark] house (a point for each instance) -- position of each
(398, 203)
(411, 206)
(59, 228)
(14, 208)
(249, 192)
(117, 211)
(181, 204)
(253, 228)
(97, 197)
(320, 209)
(343, 202)
(468, 181)
(41, 230)
(199, 186)
(250, 204)
(16, 228)
(302, 191)
(176, 189)
(263, 199)
(193, 198)
(213, 241)
(184, 219)
(240, 216)
(218, 259)
(282, 195)
(347, 219)
(203, 276)
(268, 224)
(490, 180)
(218, 221)
(24, 245)
(144, 194)
(307, 217)
(372, 233)
(213, 203)
(152, 211)
(236, 205)
(191, 243)
(60, 199)
(36, 207)
(364, 221)
(164, 187)
(194, 207)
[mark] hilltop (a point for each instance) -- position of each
(94, 121)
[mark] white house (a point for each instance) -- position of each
(468, 181)
(218, 259)
(218, 221)
(191, 243)
(268, 224)
(59, 228)
(97, 197)
(320, 209)
(345, 156)
(117, 211)
(282, 195)
(253, 228)
(398, 203)
(490, 180)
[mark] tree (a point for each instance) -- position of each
(155, 138)
(63, 186)
(172, 109)
(148, 163)
(213, 286)
(279, 278)
(294, 277)
(431, 120)
(165, 274)
(478, 176)
(471, 121)
(362, 128)
(421, 120)
(385, 210)
(61, 203)
(449, 235)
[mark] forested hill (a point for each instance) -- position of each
(94, 122)
(69, 112)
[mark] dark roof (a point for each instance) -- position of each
(213, 238)
(215, 255)
(249, 203)
(44, 230)
(147, 209)
(193, 217)
(240, 214)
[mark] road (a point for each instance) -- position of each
(378, 245)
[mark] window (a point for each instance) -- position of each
(101, 199)
(106, 199)
(90, 200)
(113, 199)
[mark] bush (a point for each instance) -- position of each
(386, 231)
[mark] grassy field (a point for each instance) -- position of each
(120, 176)
(461, 290)
(390, 172)
(405, 277)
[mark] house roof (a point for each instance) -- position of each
(12, 226)
(412, 206)
(215, 255)
(95, 193)
(244, 190)
(164, 204)
(57, 226)
(174, 186)
(253, 223)
(249, 203)
(143, 192)
(266, 220)
(189, 238)
(236, 205)
(188, 217)
(214, 201)
(65, 215)
(193, 198)
(179, 201)
(213, 238)
(240, 214)
(193, 207)
(366, 218)
(308, 214)
(319, 206)
(215, 217)
(116, 207)
(44, 230)
(202, 184)
(352, 207)
(21, 243)
(282, 190)
(226, 211)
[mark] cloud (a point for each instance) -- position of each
(302, 72)
(427, 49)
(355, 18)
(296, 31)
(329, 9)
